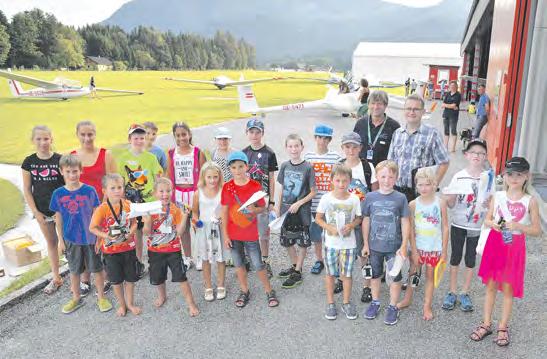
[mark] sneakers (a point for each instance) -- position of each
(372, 310)
(392, 315)
(104, 305)
(209, 295)
(85, 288)
(268, 269)
(449, 301)
(286, 273)
(338, 286)
(72, 305)
(350, 311)
(221, 293)
(466, 304)
(293, 280)
(366, 297)
(331, 312)
(317, 267)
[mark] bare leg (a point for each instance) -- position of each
(489, 301)
(302, 251)
(118, 293)
(329, 285)
(263, 276)
(468, 276)
(428, 296)
(445, 141)
(129, 295)
(507, 305)
(241, 274)
(99, 284)
(186, 241)
(394, 293)
(454, 279)
(85, 277)
(207, 274)
(75, 286)
(162, 295)
(347, 288)
(407, 298)
(264, 246)
(221, 274)
(453, 140)
(375, 288)
(292, 255)
(318, 251)
(189, 298)
(48, 229)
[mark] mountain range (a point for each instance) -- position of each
(293, 29)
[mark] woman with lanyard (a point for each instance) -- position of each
(96, 162)
(376, 130)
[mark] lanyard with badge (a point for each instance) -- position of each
(117, 230)
(370, 151)
(164, 231)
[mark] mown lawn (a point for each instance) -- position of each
(12, 205)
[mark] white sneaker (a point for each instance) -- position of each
(209, 295)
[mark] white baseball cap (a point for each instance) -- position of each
(222, 132)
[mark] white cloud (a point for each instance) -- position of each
(68, 12)
(415, 3)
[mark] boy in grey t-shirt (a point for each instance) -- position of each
(386, 231)
(297, 180)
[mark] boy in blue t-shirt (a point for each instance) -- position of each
(73, 205)
(386, 232)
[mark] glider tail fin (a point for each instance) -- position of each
(15, 88)
(247, 100)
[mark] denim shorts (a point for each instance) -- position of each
(377, 263)
(253, 251)
(316, 232)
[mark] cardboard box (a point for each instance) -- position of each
(22, 251)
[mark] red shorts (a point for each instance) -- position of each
(429, 258)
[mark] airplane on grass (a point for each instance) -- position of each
(223, 81)
(59, 88)
(346, 103)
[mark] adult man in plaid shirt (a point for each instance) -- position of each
(416, 145)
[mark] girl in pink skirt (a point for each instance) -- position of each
(513, 214)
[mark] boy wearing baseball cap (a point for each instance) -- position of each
(239, 227)
(322, 161)
(262, 166)
(468, 212)
(139, 169)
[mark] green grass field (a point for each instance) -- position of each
(164, 102)
(12, 206)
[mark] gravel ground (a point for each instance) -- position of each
(36, 328)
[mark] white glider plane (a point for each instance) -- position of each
(59, 88)
(344, 103)
(223, 81)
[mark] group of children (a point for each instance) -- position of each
(343, 205)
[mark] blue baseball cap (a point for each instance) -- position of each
(323, 130)
(255, 123)
(237, 156)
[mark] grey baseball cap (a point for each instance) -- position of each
(351, 137)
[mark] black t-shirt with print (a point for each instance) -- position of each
(381, 148)
(261, 163)
(45, 177)
(450, 99)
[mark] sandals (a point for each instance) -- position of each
(481, 332)
(53, 286)
(502, 341)
(221, 293)
(242, 299)
(272, 299)
(209, 295)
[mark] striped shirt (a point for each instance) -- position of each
(322, 165)
(423, 148)
(222, 161)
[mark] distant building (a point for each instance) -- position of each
(98, 63)
(397, 61)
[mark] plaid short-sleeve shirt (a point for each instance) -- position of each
(422, 148)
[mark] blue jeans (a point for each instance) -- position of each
(481, 121)
(253, 250)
